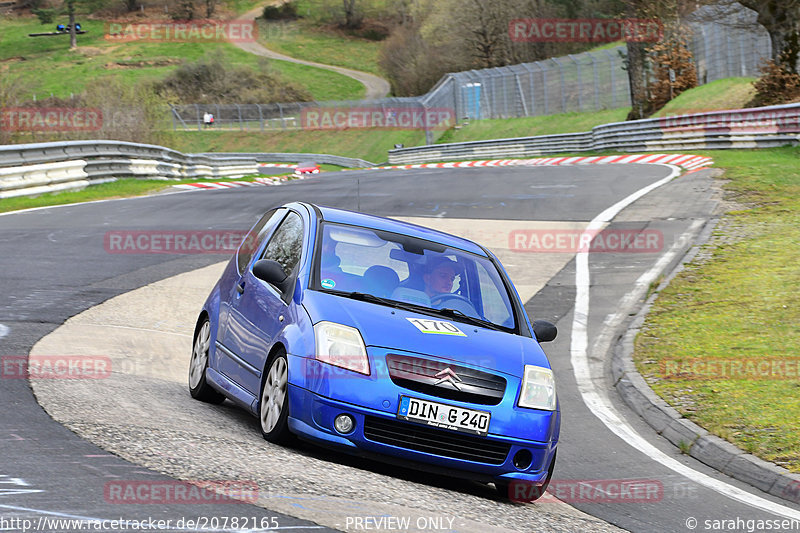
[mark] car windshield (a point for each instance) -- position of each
(406, 270)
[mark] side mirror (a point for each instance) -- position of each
(271, 272)
(544, 330)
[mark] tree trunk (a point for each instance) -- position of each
(350, 19)
(781, 19)
(637, 80)
(73, 37)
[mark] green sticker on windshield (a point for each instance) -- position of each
(327, 283)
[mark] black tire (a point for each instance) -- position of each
(198, 387)
(273, 402)
(531, 493)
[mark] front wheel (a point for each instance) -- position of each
(198, 387)
(273, 407)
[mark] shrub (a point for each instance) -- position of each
(671, 55)
(777, 85)
(285, 11)
(212, 80)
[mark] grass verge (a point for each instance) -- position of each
(730, 93)
(738, 302)
(123, 188)
(529, 126)
(365, 144)
(302, 39)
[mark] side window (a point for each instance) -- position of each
(496, 308)
(255, 236)
(286, 243)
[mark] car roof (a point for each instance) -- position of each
(343, 216)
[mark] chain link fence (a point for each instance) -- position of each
(724, 44)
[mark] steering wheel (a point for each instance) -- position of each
(439, 298)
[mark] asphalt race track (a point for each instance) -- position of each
(55, 266)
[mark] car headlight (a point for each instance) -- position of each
(341, 346)
(538, 389)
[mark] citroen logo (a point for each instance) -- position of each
(448, 376)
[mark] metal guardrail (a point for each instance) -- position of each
(743, 128)
(36, 168)
(28, 169)
(276, 157)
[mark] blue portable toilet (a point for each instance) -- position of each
(471, 96)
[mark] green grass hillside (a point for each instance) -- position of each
(45, 65)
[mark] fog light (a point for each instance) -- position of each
(523, 459)
(344, 424)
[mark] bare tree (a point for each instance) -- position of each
(352, 17)
(210, 7)
(73, 36)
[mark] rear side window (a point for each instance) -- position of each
(252, 241)
(286, 244)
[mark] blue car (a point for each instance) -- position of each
(382, 339)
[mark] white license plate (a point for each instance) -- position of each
(444, 416)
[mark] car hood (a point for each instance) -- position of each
(398, 329)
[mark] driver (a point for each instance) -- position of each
(440, 275)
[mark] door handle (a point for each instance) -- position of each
(240, 287)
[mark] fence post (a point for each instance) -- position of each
(260, 117)
(199, 122)
(280, 114)
(563, 85)
(742, 65)
(428, 132)
(596, 82)
(580, 82)
(530, 85)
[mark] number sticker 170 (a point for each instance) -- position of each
(440, 327)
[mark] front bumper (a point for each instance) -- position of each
(318, 393)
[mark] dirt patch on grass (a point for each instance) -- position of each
(142, 64)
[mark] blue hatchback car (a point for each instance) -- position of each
(382, 339)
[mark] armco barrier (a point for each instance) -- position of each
(45, 177)
(762, 127)
(27, 169)
(264, 157)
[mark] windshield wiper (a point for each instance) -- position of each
(447, 311)
(455, 313)
(367, 297)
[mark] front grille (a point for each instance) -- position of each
(420, 375)
(435, 441)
